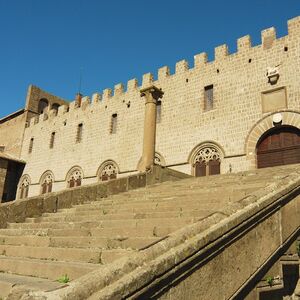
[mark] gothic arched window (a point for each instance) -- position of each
(108, 171)
(46, 182)
(74, 177)
(24, 187)
(207, 161)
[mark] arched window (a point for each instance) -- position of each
(46, 182)
(108, 170)
(24, 187)
(206, 161)
(159, 160)
(55, 107)
(74, 177)
(43, 104)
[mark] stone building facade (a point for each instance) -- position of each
(237, 112)
(12, 129)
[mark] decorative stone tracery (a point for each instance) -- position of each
(206, 160)
(74, 177)
(159, 160)
(24, 186)
(207, 154)
(108, 171)
(46, 182)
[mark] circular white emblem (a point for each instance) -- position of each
(277, 118)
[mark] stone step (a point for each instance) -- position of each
(193, 188)
(43, 232)
(80, 242)
(10, 281)
(146, 231)
(106, 223)
(161, 203)
(52, 253)
(119, 216)
(109, 256)
(196, 196)
(86, 254)
(97, 232)
(44, 269)
(143, 209)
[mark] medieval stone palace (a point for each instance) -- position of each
(239, 112)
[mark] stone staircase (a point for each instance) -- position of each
(285, 277)
(78, 240)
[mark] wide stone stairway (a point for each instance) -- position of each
(73, 242)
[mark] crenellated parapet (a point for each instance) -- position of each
(121, 92)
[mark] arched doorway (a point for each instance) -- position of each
(278, 146)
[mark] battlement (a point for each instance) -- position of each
(221, 54)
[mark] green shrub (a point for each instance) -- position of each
(63, 279)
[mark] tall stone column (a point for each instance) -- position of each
(151, 95)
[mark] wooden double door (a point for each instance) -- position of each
(279, 146)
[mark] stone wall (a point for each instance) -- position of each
(11, 134)
(12, 127)
(3, 170)
(240, 91)
(35, 94)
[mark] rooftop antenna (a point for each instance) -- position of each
(80, 81)
(79, 95)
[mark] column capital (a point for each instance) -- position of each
(152, 90)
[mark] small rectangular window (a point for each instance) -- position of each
(79, 133)
(158, 111)
(30, 145)
(209, 97)
(113, 125)
(52, 138)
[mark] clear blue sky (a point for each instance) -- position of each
(47, 42)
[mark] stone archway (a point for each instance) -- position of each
(291, 118)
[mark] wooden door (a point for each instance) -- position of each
(211, 168)
(200, 169)
(214, 167)
(279, 146)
